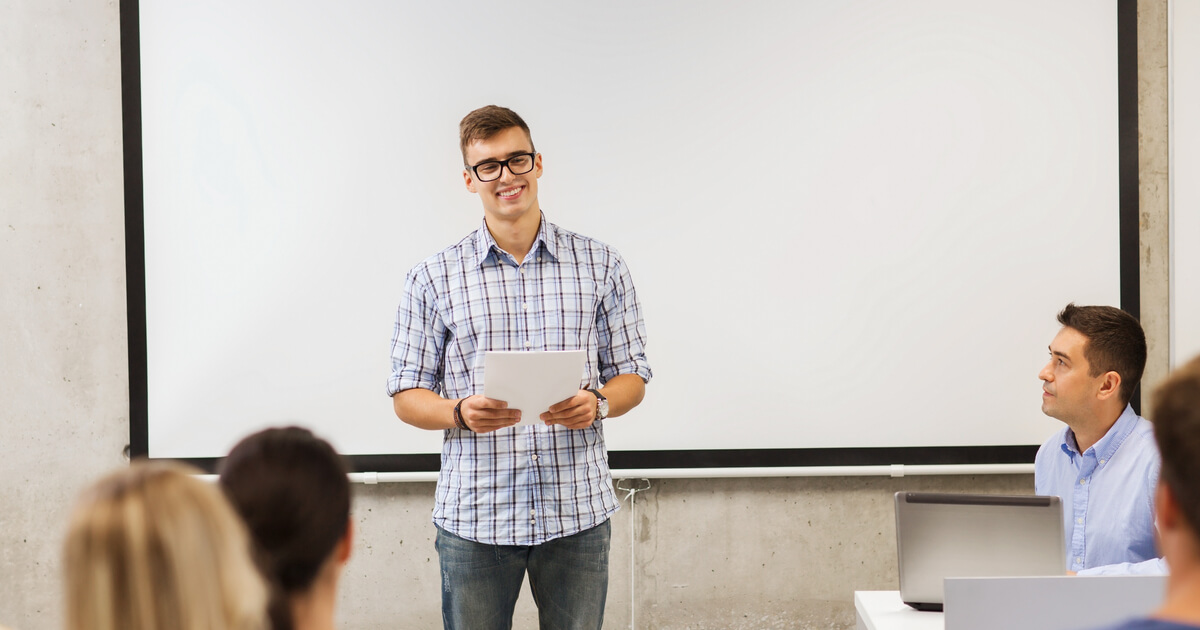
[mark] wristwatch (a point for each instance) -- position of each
(601, 404)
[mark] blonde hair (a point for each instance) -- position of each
(152, 547)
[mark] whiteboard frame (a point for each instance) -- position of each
(836, 461)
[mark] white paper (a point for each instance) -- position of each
(532, 381)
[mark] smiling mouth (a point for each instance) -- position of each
(509, 194)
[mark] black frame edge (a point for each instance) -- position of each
(1127, 114)
(135, 241)
(726, 458)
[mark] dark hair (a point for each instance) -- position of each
(291, 489)
(1115, 342)
(486, 122)
(1176, 417)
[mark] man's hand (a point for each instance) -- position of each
(576, 412)
(484, 415)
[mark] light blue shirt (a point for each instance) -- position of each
(1154, 566)
(1107, 492)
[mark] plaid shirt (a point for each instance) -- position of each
(530, 484)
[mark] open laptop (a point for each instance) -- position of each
(940, 535)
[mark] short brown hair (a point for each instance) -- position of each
(486, 122)
(1115, 342)
(1176, 417)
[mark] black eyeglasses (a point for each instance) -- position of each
(517, 165)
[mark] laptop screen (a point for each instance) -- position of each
(941, 535)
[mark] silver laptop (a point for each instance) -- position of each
(941, 535)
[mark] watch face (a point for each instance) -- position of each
(601, 404)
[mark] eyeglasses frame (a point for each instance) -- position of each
(503, 165)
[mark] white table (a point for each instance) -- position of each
(883, 610)
(1046, 603)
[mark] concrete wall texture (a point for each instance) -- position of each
(696, 553)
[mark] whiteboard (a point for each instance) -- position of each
(1184, 68)
(850, 224)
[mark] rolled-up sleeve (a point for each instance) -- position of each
(621, 329)
(419, 339)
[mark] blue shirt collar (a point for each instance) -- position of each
(547, 240)
(1108, 445)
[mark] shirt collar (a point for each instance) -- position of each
(1108, 445)
(547, 240)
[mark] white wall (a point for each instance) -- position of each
(62, 285)
(1185, 180)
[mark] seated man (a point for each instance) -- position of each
(1177, 431)
(1104, 463)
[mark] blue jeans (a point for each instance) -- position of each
(568, 577)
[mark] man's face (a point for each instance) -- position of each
(510, 197)
(1068, 391)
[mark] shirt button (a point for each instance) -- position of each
(534, 457)
(1080, 521)
(525, 306)
(1103, 460)
(522, 270)
(528, 344)
(1083, 482)
(1078, 559)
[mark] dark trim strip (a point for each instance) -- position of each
(1127, 113)
(940, 498)
(783, 457)
(732, 458)
(135, 236)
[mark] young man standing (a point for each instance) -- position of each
(530, 498)
(1176, 414)
(1103, 464)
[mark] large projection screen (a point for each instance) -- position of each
(850, 224)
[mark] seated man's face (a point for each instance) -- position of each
(1068, 390)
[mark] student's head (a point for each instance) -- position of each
(1175, 411)
(500, 163)
(1096, 361)
(153, 547)
(291, 489)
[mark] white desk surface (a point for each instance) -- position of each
(883, 610)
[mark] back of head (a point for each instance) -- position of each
(152, 547)
(1115, 342)
(1176, 417)
(486, 122)
(291, 489)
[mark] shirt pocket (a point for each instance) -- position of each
(570, 314)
